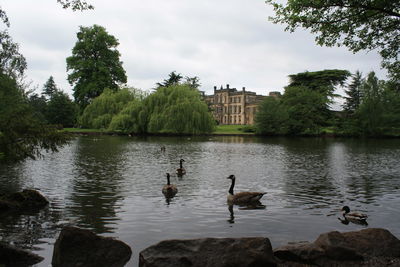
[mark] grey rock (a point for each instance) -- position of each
(78, 247)
(11, 256)
(19, 201)
(212, 252)
(368, 247)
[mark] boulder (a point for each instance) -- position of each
(366, 247)
(79, 247)
(212, 252)
(16, 257)
(27, 199)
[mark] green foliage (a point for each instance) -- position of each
(378, 111)
(304, 110)
(371, 109)
(101, 111)
(323, 81)
(12, 62)
(248, 129)
(391, 108)
(61, 110)
(177, 109)
(39, 106)
(94, 64)
(175, 79)
(272, 117)
(358, 25)
(353, 92)
(75, 4)
(128, 120)
(22, 134)
(50, 87)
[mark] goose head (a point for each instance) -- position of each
(231, 177)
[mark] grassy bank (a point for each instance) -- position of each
(234, 129)
(220, 129)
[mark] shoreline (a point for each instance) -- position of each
(324, 135)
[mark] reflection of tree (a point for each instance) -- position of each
(10, 177)
(308, 177)
(97, 184)
(371, 168)
(27, 229)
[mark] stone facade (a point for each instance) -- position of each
(231, 106)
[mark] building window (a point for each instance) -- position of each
(240, 111)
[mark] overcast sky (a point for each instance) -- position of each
(222, 42)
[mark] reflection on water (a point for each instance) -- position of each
(112, 185)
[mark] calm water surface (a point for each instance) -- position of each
(112, 185)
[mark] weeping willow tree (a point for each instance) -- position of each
(176, 109)
(101, 111)
(128, 120)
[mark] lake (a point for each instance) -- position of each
(112, 185)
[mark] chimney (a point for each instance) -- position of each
(243, 89)
(215, 89)
(227, 86)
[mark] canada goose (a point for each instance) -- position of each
(181, 170)
(169, 190)
(354, 217)
(242, 198)
(163, 149)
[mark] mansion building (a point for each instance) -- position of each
(230, 106)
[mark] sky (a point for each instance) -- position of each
(221, 42)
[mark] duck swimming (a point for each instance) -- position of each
(354, 217)
(242, 198)
(169, 190)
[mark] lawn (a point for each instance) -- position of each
(79, 130)
(220, 129)
(233, 129)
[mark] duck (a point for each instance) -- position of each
(242, 198)
(181, 171)
(354, 217)
(169, 190)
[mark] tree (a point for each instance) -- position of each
(353, 92)
(94, 65)
(12, 62)
(272, 117)
(39, 106)
(391, 108)
(100, 112)
(172, 80)
(22, 134)
(304, 110)
(177, 109)
(75, 4)
(50, 87)
(358, 25)
(371, 109)
(61, 110)
(322, 82)
(193, 82)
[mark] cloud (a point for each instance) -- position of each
(219, 41)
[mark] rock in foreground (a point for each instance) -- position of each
(368, 247)
(12, 256)
(78, 247)
(209, 252)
